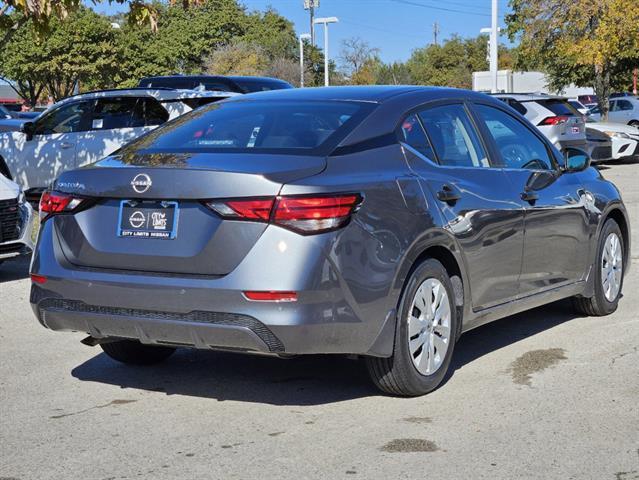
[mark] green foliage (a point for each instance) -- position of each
(592, 43)
(452, 63)
(78, 49)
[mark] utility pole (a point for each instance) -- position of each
(311, 5)
(435, 33)
(326, 21)
(494, 39)
(303, 36)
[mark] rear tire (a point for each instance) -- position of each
(605, 300)
(133, 352)
(409, 372)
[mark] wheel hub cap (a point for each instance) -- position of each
(611, 267)
(429, 326)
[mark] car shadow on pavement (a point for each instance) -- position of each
(15, 269)
(304, 380)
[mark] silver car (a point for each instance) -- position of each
(376, 221)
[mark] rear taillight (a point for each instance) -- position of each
(53, 203)
(304, 214)
(554, 120)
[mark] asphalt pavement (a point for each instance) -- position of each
(544, 394)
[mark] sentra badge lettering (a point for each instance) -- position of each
(141, 183)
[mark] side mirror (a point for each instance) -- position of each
(28, 128)
(575, 160)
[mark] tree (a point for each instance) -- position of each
(590, 42)
(78, 49)
(236, 58)
(355, 54)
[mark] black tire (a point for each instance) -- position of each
(397, 375)
(133, 352)
(634, 123)
(598, 305)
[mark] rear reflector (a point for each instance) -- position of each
(303, 214)
(554, 120)
(271, 296)
(35, 278)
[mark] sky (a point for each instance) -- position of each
(395, 27)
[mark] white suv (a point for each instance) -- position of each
(553, 116)
(15, 221)
(86, 128)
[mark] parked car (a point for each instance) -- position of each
(553, 116)
(625, 139)
(376, 221)
(4, 113)
(580, 107)
(587, 99)
(86, 128)
(599, 145)
(621, 110)
(216, 82)
(16, 222)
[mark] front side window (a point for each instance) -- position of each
(66, 119)
(412, 133)
(453, 136)
(519, 147)
(257, 127)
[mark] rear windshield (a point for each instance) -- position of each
(242, 126)
(559, 107)
(252, 85)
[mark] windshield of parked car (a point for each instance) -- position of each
(268, 126)
(559, 107)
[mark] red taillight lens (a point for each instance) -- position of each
(304, 214)
(554, 120)
(271, 296)
(35, 278)
(315, 214)
(52, 203)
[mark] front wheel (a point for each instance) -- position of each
(135, 353)
(424, 335)
(608, 272)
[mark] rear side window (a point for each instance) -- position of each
(453, 137)
(258, 127)
(148, 112)
(413, 134)
(518, 106)
(113, 113)
(518, 146)
(558, 107)
(624, 105)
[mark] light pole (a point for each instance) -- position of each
(303, 36)
(326, 21)
(494, 38)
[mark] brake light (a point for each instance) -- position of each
(271, 296)
(306, 214)
(35, 278)
(52, 203)
(555, 120)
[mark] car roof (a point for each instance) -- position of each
(160, 94)
(529, 97)
(371, 94)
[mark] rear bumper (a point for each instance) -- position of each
(332, 314)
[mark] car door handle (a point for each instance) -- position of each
(448, 194)
(529, 196)
(66, 145)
